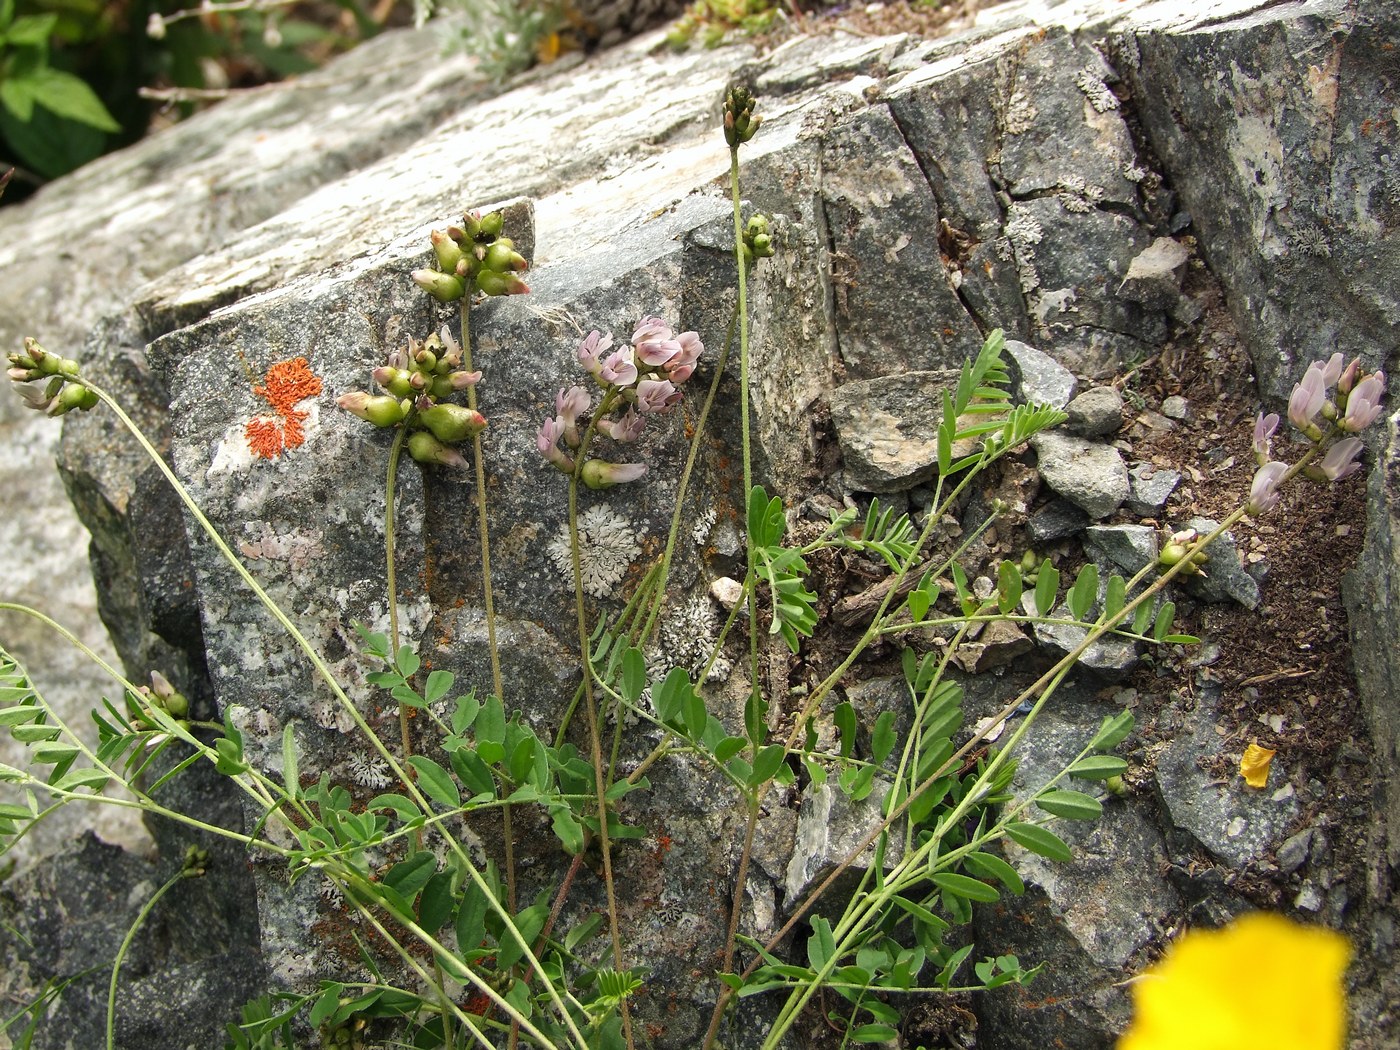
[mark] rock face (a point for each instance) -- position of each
(922, 193)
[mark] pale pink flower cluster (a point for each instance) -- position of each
(639, 379)
(1331, 403)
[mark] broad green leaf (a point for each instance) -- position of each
(437, 902)
(918, 602)
(1114, 731)
(729, 747)
(50, 754)
(945, 977)
(1115, 597)
(410, 875)
(694, 713)
(1142, 617)
(464, 714)
(1047, 585)
(1181, 639)
(438, 685)
(472, 771)
(567, 829)
(290, 777)
(1086, 588)
(471, 919)
(435, 781)
(1038, 840)
(402, 807)
(88, 778)
(993, 867)
(874, 1033)
(634, 674)
(34, 734)
(845, 718)
(408, 661)
(964, 886)
(670, 696)
(882, 737)
(14, 716)
(821, 945)
(1163, 624)
(1071, 805)
(491, 722)
(767, 764)
(523, 759)
(1099, 767)
(1008, 586)
(529, 923)
(326, 1005)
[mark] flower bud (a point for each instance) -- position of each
(739, 121)
(444, 287)
(1176, 548)
(382, 410)
(449, 253)
(452, 423)
(598, 474)
(70, 397)
(491, 225)
(492, 283)
(503, 257)
(425, 448)
(471, 227)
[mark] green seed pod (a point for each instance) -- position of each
(452, 423)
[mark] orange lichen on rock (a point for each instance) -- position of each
(286, 383)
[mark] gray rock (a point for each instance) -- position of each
(1039, 377)
(1293, 853)
(1149, 488)
(1093, 915)
(829, 826)
(1176, 407)
(1112, 657)
(888, 429)
(1092, 476)
(1224, 578)
(1127, 547)
(1154, 276)
(1238, 824)
(1056, 520)
(1095, 413)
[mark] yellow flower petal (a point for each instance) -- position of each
(1254, 766)
(1262, 981)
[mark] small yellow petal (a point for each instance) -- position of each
(1261, 981)
(1254, 766)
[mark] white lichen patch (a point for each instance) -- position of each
(700, 533)
(1023, 233)
(1312, 240)
(367, 770)
(1133, 173)
(329, 713)
(1100, 96)
(1079, 196)
(608, 544)
(688, 632)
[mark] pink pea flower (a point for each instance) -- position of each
(656, 395)
(546, 440)
(1307, 397)
(1332, 370)
(627, 429)
(591, 350)
(1340, 460)
(1364, 403)
(570, 404)
(620, 368)
(1264, 492)
(655, 343)
(683, 365)
(1264, 428)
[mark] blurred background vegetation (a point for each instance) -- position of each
(79, 78)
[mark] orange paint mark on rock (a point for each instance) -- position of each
(286, 383)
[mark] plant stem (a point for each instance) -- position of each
(487, 591)
(185, 872)
(390, 568)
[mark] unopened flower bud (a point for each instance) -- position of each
(444, 287)
(425, 359)
(1176, 548)
(492, 223)
(502, 257)
(739, 121)
(382, 410)
(70, 397)
(449, 253)
(471, 226)
(460, 380)
(394, 380)
(598, 474)
(491, 283)
(452, 423)
(425, 448)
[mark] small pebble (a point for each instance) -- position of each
(1176, 407)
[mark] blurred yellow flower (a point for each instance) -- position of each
(1254, 766)
(1262, 982)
